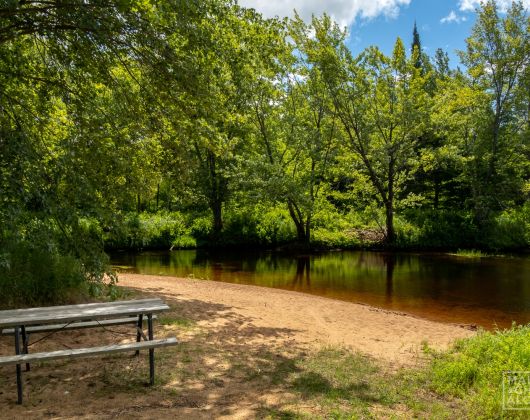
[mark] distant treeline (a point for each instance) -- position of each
(133, 124)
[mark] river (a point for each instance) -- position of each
(489, 292)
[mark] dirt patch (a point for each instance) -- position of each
(237, 344)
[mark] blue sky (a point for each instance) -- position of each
(435, 32)
(441, 23)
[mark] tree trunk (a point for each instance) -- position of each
(302, 229)
(308, 230)
(390, 233)
(217, 213)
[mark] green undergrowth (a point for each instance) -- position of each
(473, 370)
(470, 253)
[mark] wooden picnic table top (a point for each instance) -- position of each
(86, 311)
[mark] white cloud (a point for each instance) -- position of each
(343, 11)
(452, 17)
(471, 5)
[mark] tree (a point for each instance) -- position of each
(383, 107)
(497, 57)
(415, 49)
(441, 63)
(72, 128)
(295, 133)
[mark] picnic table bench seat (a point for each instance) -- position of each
(84, 352)
(76, 325)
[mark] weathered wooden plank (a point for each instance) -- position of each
(76, 325)
(81, 306)
(85, 352)
(79, 312)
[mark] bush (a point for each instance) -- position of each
(259, 225)
(436, 229)
(325, 238)
(509, 230)
(201, 228)
(31, 275)
(274, 226)
(473, 369)
(156, 231)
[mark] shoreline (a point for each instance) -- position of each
(244, 352)
(311, 321)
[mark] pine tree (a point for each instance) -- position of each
(416, 44)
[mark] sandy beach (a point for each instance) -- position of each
(308, 320)
(236, 341)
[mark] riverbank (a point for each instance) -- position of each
(309, 321)
(245, 352)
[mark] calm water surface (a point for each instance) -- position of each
(488, 291)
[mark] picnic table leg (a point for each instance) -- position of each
(151, 351)
(19, 370)
(139, 331)
(25, 339)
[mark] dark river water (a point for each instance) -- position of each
(485, 291)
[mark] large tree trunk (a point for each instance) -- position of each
(303, 229)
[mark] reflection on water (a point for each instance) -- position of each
(487, 291)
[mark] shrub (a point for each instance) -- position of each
(274, 226)
(473, 369)
(201, 228)
(31, 275)
(162, 230)
(509, 230)
(436, 229)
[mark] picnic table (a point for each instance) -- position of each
(20, 323)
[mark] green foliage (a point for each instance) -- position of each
(274, 226)
(141, 124)
(436, 229)
(510, 230)
(32, 275)
(334, 230)
(161, 230)
(473, 369)
(201, 228)
(470, 253)
(259, 225)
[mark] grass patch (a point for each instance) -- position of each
(176, 321)
(337, 383)
(473, 369)
(470, 253)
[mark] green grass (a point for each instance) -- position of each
(464, 382)
(341, 384)
(470, 253)
(473, 369)
(176, 321)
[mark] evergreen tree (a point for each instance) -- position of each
(416, 47)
